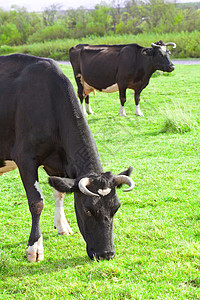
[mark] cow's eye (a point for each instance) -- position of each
(88, 213)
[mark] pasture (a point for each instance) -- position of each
(157, 228)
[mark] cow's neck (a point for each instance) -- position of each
(80, 148)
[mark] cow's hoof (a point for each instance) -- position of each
(122, 112)
(90, 112)
(138, 111)
(64, 229)
(122, 115)
(140, 115)
(89, 109)
(35, 252)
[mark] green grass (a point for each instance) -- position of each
(157, 228)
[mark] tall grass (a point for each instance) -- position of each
(187, 44)
(177, 119)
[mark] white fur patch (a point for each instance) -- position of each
(138, 111)
(122, 112)
(60, 221)
(37, 186)
(111, 89)
(9, 166)
(164, 48)
(89, 109)
(104, 192)
(87, 89)
(36, 251)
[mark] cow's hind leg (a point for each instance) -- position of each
(88, 107)
(137, 105)
(60, 222)
(122, 96)
(29, 175)
(80, 93)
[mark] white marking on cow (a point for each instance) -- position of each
(89, 109)
(164, 48)
(122, 111)
(83, 109)
(9, 166)
(36, 251)
(60, 222)
(37, 186)
(87, 89)
(138, 111)
(104, 192)
(111, 89)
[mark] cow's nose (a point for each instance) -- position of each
(171, 68)
(105, 255)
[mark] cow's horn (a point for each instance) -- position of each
(127, 180)
(83, 187)
(155, 45)
(171, 44)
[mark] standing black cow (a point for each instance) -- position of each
(41, 123)
(109, 68)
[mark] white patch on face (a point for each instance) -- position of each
(164, 48)
(37, 186)
(104, 192)
(9, 166)
(138, 111)
(122, 111)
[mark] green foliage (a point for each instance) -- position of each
(9, 35)
(156, 229)
(187, 44)
(133, 17)
(56, 31)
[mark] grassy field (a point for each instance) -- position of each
(157, 228)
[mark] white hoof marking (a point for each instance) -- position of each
(89, 109)
(138, 111)
(36, 251)
(122, 111)
(60, 221)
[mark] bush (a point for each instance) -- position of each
(187, 44)
(9, 35)
(57, 31)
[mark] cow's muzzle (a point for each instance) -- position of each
(171, 68)
(105, 255)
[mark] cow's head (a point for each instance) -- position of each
(96, 203)
(159, 54)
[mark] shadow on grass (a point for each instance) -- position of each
(24, 268)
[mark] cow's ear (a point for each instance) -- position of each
(127, 173)
(147, 51)
(63, 185)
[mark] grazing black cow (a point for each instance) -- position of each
(42, 124)
(109, 68)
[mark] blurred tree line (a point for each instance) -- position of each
(18, 26)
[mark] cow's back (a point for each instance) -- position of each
(32, 92)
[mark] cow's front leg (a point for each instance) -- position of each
(122, 96)
(60, 222)
(36, 202)
(137, 105)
